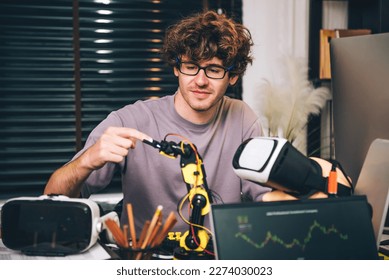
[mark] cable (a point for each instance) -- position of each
(180, 206)
(216, 196)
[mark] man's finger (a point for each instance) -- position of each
(127, 132)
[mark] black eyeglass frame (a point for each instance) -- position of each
(179, 63)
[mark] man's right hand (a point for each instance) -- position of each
(113, 146)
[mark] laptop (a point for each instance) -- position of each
(256, 225)
(333, 228)
(373, 182)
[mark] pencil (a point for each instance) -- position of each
(147, 253)
(143, 233)
(125, 234)
(131, 224)
(171, 220)
(116, 232)
(154, 233)
(141, 238)
(153, 223)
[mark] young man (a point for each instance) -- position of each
(208, 53)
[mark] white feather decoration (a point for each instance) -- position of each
(286, 105)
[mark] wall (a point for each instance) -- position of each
(278, 27)
(282, 27)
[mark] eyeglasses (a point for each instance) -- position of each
(211, 71)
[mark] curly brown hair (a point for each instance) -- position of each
(205, 35)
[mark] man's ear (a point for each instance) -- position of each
(233, 80)
(175, 71)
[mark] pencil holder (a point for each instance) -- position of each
(137, 254)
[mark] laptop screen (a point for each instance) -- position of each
(338, 228)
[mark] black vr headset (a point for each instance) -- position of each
(52, 225)
(276, 163)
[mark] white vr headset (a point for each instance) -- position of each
(276, 163)
(52, 225)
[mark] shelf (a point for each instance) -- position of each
(325, 38)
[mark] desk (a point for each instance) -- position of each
(97, 252)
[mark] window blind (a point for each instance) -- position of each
(63, 70)
(36, 92)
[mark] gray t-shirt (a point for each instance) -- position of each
(150, 179)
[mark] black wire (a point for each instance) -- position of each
(216, 196)
(344, 173)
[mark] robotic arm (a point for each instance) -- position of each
(195, 240)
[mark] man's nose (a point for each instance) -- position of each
(201, 78)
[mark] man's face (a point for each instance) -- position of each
(201, 93)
